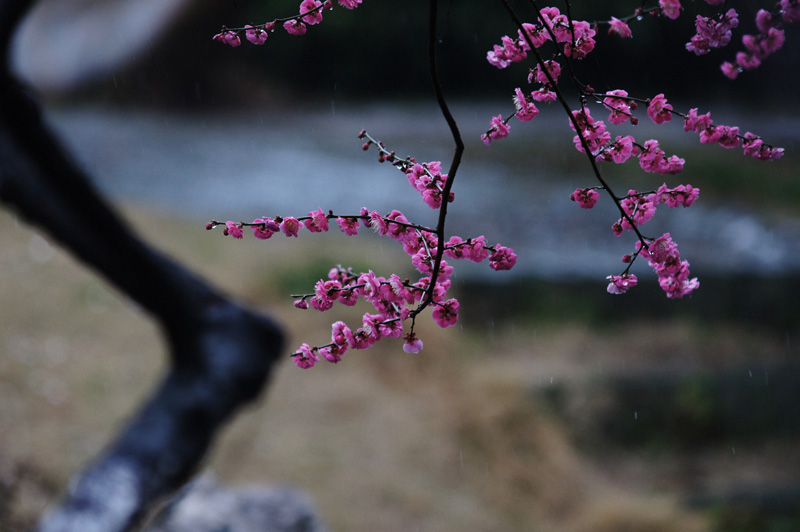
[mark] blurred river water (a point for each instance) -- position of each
(264, 163)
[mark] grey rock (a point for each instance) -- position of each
(208, 506)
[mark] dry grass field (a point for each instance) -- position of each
(459, 437)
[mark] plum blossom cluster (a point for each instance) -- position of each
(310, 14)
(769, 39)
(425, 178)
(662, 255)
(639, 208)
(576, 36)
(715, 31)
(593, 138)
(394, 300)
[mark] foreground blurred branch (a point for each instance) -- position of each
(221, 353)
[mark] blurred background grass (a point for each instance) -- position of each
(536, 417)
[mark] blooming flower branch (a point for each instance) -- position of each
(573, 40)
(553, 42)
(394, 300)
(310, 13)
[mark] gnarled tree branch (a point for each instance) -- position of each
(221, 353)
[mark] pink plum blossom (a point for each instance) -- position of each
(295, 27)
(306, 357)
(502, 258)
(446, 314)
(314, 10)
(586, 197)
(317, 221)
(228, 37)
(290, 226)
(499, 129)
(695, 122)
(619, 27)
(790, 10)
(349, 226)
(233, 229)
(265, 228)
(659, 110)
(526, 110)
(255, 35)
(670, 8)
(412, 343)
(620, 107)
(620, 150)
(621, 283)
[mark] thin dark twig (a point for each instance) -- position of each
(459, 150)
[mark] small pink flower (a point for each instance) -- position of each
(290, 226)
(317, 221)
(228, 37)
(475, 249)
(619, 151)
(670, 8)
(553, 68)
(682, 195)
(446, 314)
(695, 122)
(332, 353)
(544, 95)
(377, 223)
(295, 27)
(233, 229)
(503, 258)
(307, 6)
(790, 10)
(325, 293)
(306, 357)
(349, 4)
(266, 228)
(412, 343)
(659, 110)
(398, 231)
(586, 197)
(526, 110)
(711, 135)
(255, 35)
(729, 137)
(619, 27)
(349, 226)
(730, 70)
(340, 334)
(672, 165)
(391, 328)
(621, 283)
(620, 107)
(764, 20)
(499, 129)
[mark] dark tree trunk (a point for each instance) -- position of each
(221, 353)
